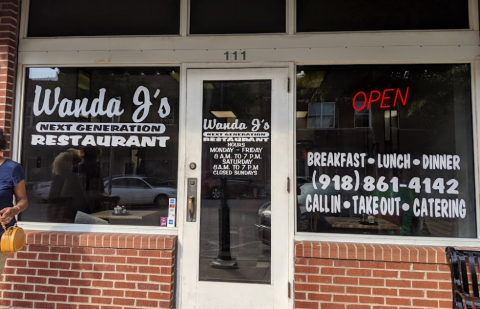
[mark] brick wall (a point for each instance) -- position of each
(9, 21)
(60, 270)
(359, 276)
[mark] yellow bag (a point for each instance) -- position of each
(13, 239)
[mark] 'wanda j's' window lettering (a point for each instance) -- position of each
(446, 206)
(76, 133)
(237, 157)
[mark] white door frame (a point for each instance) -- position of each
(188, 289)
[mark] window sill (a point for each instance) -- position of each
(96, 228)
(388, 240)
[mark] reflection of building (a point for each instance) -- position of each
(331, 74)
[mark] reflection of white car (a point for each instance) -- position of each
(41, 190)
(308, 189)
(141, 190)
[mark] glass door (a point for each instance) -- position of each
(235, 234)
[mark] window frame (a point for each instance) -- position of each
(419, 240)
(385, 238)
(16, 151)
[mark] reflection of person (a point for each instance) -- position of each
(66, 195)
(153, 168)
(411, 225)
(406, 220)
(12, 183)
(89, 172)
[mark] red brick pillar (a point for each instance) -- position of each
(9, 25)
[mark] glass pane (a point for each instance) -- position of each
(328, 108)
(354, 15)
(362, 120)
(49, 18)
(235, 208)
(314, 109)
(229, 16)
(93, 145)
(328, 122)
(399, 160)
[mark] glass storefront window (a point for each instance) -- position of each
(237, 17)
(52, 18)
(100, 145)
(385, 149)
(375, 15)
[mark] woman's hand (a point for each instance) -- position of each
(7, 214)
(21, 203)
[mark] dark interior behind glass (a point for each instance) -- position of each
(49, 18)
(231, 17)
(385, 149)
(371, 15)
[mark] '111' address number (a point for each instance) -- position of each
(235, 55)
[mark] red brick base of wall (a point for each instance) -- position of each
(60, 270)
(360, 276)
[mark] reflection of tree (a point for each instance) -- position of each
(436, 94)
(237, 97)
(311, 80)
(124, 85)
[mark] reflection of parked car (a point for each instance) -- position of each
(304, 218)
(264, 222)
(141, 190)
(236, 187)
(308, 189)
(41, 190)
(302, 180)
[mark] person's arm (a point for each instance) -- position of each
(21, 203)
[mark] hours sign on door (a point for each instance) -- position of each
(239, 146)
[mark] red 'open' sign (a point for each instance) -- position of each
(384, 98)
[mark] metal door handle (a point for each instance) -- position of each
(191, 203)
(191, 211)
